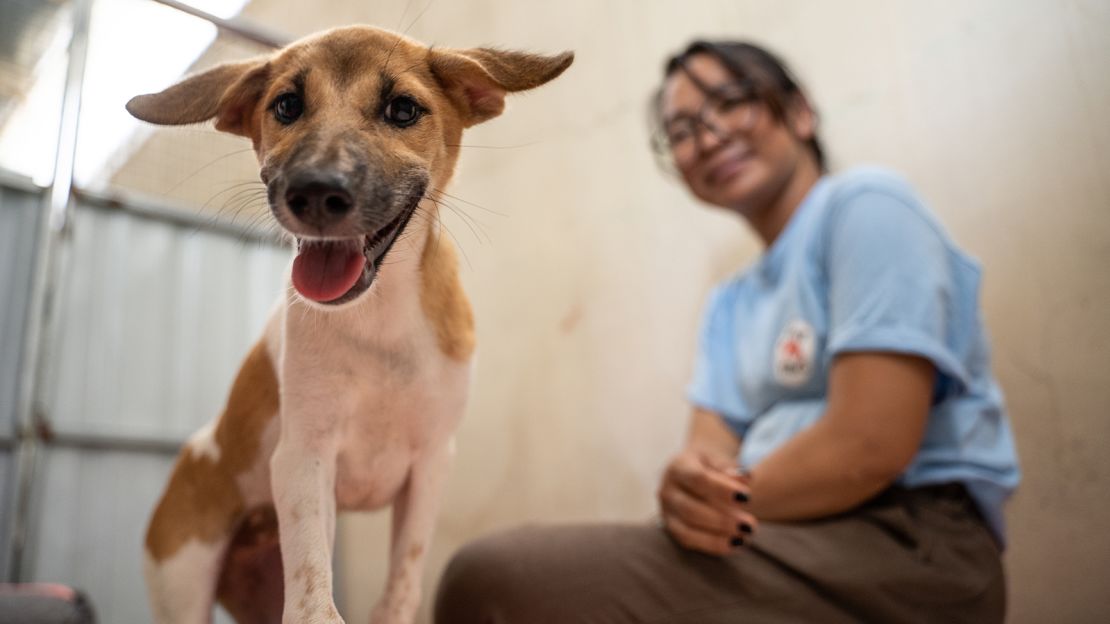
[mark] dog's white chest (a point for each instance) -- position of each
(391, 392)
(391, 430)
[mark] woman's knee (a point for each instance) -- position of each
(475, 583)
(526, 575)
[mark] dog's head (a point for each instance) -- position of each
(351, 127)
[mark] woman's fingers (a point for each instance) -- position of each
(700, 506)
(701, 541)
(715, 487)
(733, 522)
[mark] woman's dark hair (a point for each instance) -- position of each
(773, 82)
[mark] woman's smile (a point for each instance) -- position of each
(731, 161)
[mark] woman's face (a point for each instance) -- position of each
(728, 146)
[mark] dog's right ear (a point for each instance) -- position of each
(230, 93)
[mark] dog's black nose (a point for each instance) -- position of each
(318, 202)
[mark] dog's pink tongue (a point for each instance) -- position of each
(325, 271)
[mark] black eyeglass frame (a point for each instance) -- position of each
(742, 92)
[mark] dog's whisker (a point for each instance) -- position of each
(471, 221)
(247, 195)
(227, 212)
(433, 219)
(256, 223)
(252, 222)
(236, 204)
(245, 199)
(494, 147)
(231, 209)
(232, 185)
(462, 250)
(468, 221)
(434, 224)
(221, 214)
(207, 165)
(440, 227)
(254, 206)
(469, 203)
(458, 245)
(389, 56)
(417, 19)
(401, 20)
(241, 187)
(235, 190)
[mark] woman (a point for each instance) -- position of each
(848, 453)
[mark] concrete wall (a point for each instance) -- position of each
(589, 267)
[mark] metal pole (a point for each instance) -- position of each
(240, 27)
(51, 231)
(160, 210)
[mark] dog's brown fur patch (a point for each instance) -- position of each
(202, 500)
(442, 297)
(251, 585)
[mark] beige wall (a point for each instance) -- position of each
(589, 285)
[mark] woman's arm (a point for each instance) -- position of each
(878, 404)
(710, 436)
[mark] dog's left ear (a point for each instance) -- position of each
(478, 79)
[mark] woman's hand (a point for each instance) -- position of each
(702, 501)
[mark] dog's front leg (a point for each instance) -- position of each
(303, 474)
(414, 515)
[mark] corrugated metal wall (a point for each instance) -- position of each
(18, 211)
(153, 319)
(152, 309)
(19, 208)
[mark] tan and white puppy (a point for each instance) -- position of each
(351, 397)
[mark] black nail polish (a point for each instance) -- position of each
(740, 497)
(736, 542)
(745, 528)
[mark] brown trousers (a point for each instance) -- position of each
(920, 555)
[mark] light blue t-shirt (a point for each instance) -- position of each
(861, 266)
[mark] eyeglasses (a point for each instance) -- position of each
(730, 109)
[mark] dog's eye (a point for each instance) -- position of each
(403, 111)
(288, 108)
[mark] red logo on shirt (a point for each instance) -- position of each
(791, 350)
(793, 356)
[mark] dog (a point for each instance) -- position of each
(350, 398)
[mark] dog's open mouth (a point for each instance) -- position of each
(335, 271)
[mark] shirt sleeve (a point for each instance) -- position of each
(714, 386)
(892, 283)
